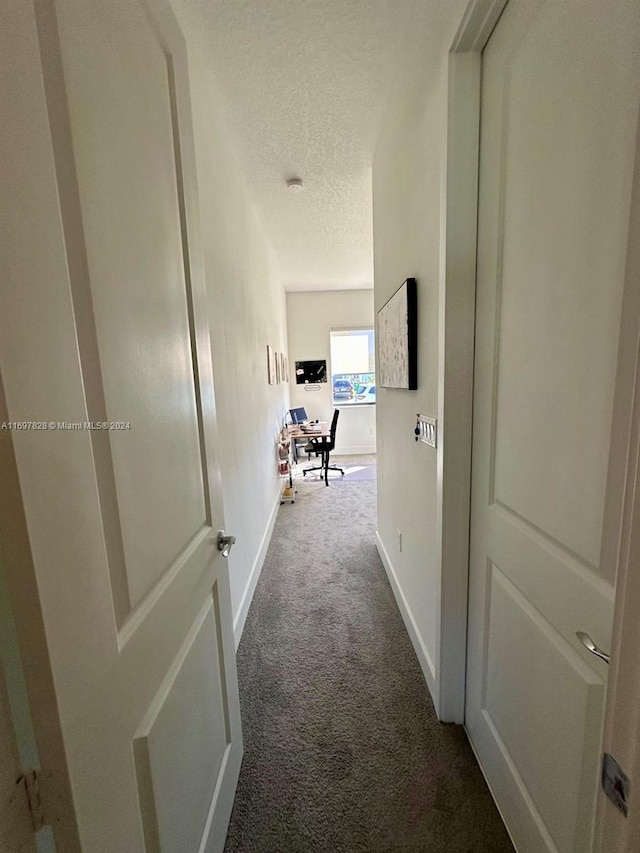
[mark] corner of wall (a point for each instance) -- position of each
(409, 209)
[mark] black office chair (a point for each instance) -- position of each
(323, 447)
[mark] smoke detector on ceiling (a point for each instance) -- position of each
(295, 184)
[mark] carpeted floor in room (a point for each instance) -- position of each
(343, 751)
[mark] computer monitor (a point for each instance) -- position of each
(299, 415)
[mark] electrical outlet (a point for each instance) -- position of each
(399, 534)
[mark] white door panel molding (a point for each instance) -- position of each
(559, 116)
(103, 322)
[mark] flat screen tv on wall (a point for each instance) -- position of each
(398, 339)
(311, 372)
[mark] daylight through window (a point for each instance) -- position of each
(353, 367)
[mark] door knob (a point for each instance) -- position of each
(225, 543)
(588, 643)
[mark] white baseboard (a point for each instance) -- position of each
(241, 616)
(355, 451)
(424, 658)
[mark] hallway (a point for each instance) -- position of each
(424, 215)
(343, 751)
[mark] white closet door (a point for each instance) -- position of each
(560, 90)
(102, 319)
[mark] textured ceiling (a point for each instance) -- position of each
(302, 85)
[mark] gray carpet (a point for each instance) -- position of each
(354, 472)
(342, 748)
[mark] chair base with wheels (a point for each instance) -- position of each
(324, 466)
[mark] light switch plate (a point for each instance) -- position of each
(427, 430)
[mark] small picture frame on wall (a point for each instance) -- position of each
(271, 365)
(277, 368)
(283, 367)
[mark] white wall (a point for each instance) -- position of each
(310, 318)
(408, 195)
(246, 312)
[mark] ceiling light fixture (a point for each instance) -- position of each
(295, 184)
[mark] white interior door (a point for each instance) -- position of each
(560, 90)
(102, 321)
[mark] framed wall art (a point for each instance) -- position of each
(271, 365)
(398, 339)
(311, 371)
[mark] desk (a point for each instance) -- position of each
(298, 435)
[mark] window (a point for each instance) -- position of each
(353, 375)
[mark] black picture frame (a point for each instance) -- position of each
(397, 337)
(311, 371)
